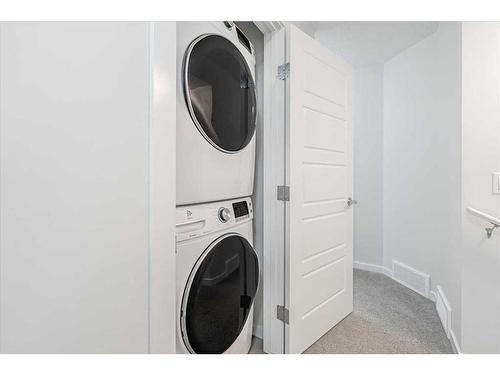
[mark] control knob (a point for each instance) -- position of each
(224, 214)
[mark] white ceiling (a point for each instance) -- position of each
(366, 43)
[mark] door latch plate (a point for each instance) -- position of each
(283, 193)
(283, 71)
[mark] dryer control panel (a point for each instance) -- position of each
(205, 218)
(241, 210)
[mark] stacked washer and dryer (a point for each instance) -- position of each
(217, 267)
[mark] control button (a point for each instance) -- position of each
(224, 214)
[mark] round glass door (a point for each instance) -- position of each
(219, 295)
(220, 92)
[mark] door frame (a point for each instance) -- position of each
(161, 187)
(274, 175)
(162, 196)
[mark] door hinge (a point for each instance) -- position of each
(283, 193)
(282, 314)
(283, 71)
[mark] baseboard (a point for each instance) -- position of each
(433, 296)
(409, 277)
(454, 343)
(444, 310)
(445, 315)
(373, 268)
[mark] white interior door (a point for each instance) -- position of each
(319, 223)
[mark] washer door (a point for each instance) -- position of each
(219, 295)
(220, 92)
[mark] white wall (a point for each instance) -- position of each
(368, 164)
(422, 160)
(75, 190)
(481, 157)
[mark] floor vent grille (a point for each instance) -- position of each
(411, 278)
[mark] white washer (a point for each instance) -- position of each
(217, 277)
(216, 112)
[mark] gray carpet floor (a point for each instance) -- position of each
(387, 318)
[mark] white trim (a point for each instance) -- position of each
(373, 268)
(454, 343)
(443, 309)
(390, 273)
(436, 296)
(433, 296)
(269, 27)
(161, 192)
(274, 175)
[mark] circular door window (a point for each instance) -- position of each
(219, 295)
(220, 92)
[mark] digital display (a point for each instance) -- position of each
(240, 209)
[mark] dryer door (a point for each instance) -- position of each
(219, 295)
(220, 92)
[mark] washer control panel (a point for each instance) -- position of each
(224, 214)
(205, 218)
(241, 210)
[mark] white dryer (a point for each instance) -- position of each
(217, 277)
(216, 112)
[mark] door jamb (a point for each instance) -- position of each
(161, 187)
(274, 175)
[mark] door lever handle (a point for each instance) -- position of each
(351, 201)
